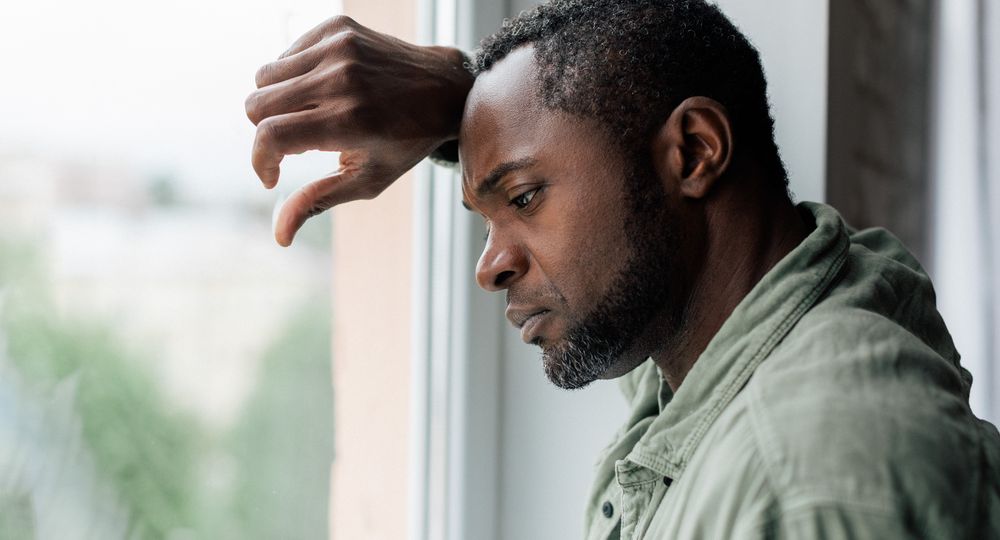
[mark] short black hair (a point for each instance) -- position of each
(629, 63)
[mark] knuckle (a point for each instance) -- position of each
(350, 77)
(268, 131)
(345, 43)
(340, 21)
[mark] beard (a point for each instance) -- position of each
(640, 292)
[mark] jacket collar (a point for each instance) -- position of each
(760, 321)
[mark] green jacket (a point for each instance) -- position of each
(831, 404)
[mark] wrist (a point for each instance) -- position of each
(458, 79)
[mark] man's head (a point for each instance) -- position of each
(594, 136)
(629, 63)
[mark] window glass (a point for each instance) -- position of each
(164, 365)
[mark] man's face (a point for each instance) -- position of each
(579, 235)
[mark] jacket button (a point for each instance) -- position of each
(608, 509)
(667, 481)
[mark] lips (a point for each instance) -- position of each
(528, 320)
(531, 326)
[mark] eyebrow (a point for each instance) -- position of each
(489, 184)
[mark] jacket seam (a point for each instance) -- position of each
(773, 338)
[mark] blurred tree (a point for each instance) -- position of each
(156, 462)
(145, 451)
(283, 445)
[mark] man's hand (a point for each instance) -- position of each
(383, 103)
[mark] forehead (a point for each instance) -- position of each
(504, 118)
(505, 122)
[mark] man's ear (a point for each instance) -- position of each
(694, 146)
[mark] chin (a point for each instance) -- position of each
(574, 363)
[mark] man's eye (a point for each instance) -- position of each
(524, 199)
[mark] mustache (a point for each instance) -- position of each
(548, 295)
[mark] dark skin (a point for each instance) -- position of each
(557, 216)
(735, 232)
(383, 103)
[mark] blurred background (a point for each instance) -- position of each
(164, 365)
(167, 371)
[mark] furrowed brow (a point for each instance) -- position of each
(489, 184)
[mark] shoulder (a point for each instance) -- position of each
(864, 405)
(858, 413)
(873, 348)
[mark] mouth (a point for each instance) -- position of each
(530, 326)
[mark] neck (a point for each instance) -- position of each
(744, 238)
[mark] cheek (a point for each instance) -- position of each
(585, 251)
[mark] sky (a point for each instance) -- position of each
(154, 85)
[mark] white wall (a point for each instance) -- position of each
(791, 36)
(549, 438)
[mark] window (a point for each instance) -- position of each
(164, 365)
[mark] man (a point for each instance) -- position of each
(788, 377)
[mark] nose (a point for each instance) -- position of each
(501, 264)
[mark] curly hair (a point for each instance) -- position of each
(629, 63)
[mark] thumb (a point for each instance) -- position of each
(319, 196)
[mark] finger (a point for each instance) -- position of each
(292, 133)
(287, 67)
(307, 40)
(314, 36)
(289, 96)
(317, 197)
